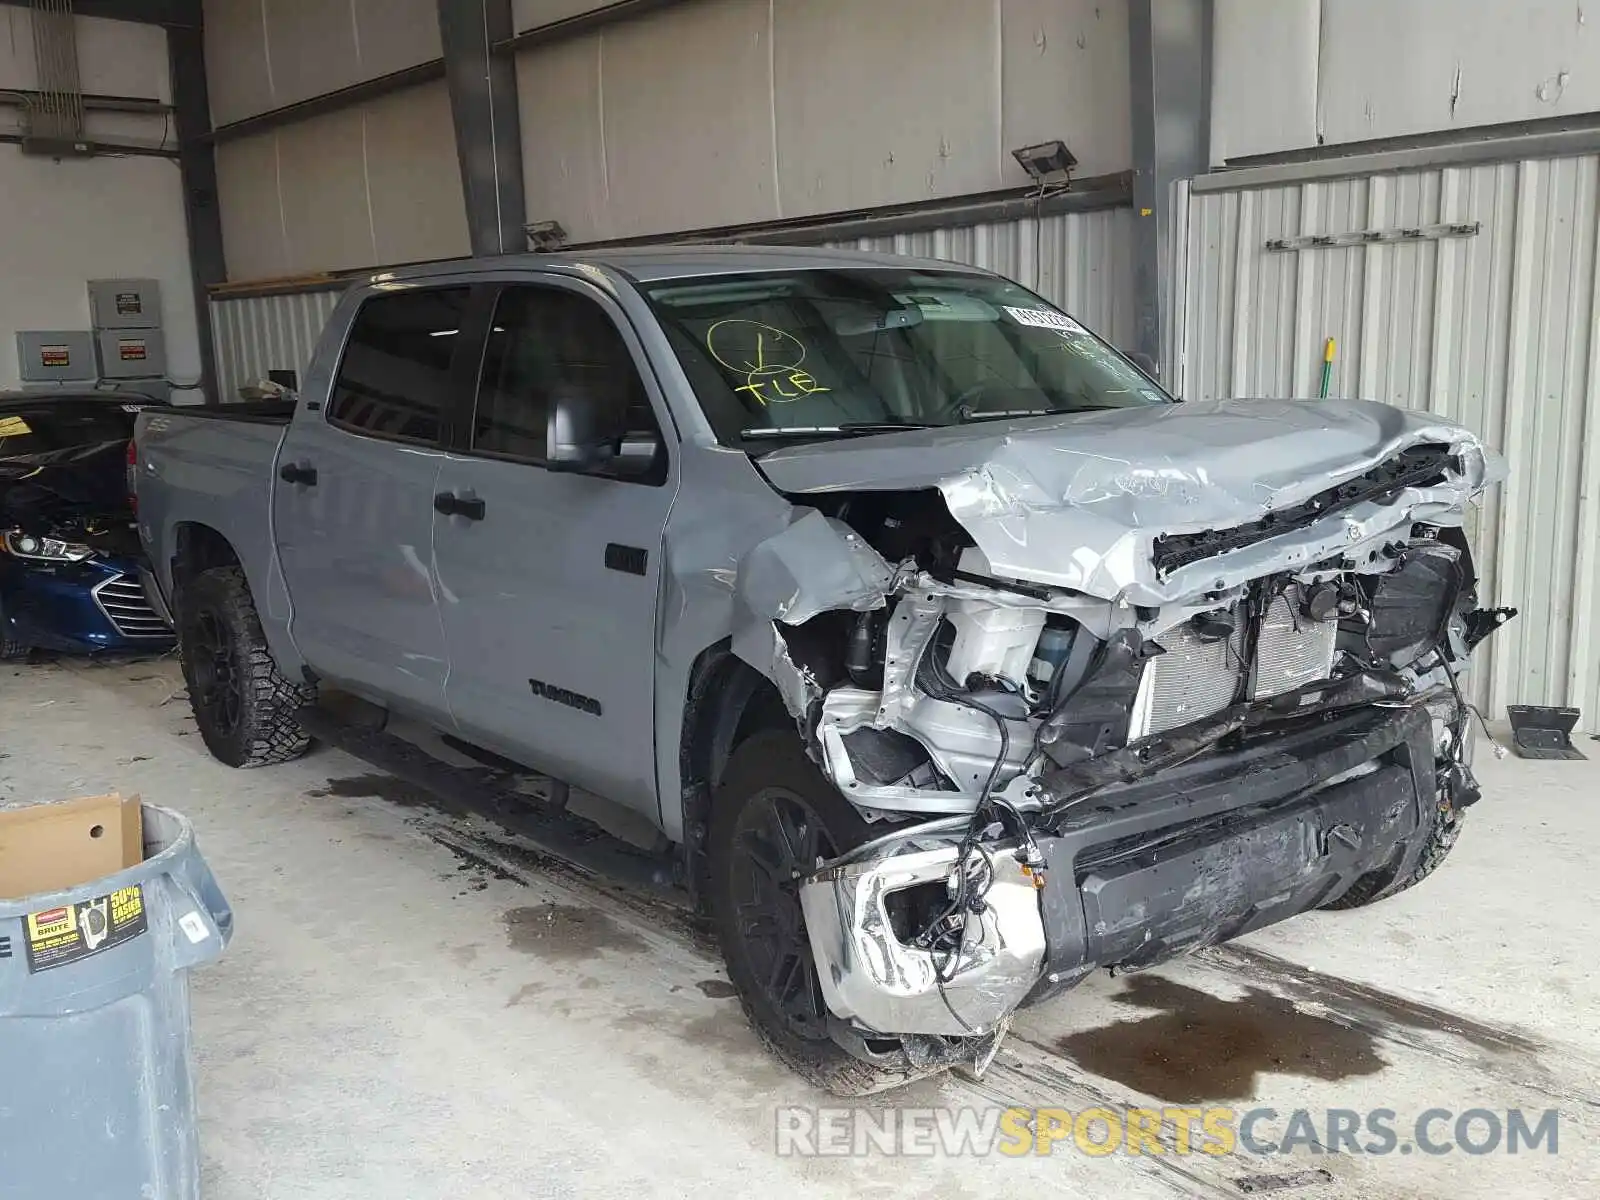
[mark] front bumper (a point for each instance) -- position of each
(1191, 856)
(79, 608)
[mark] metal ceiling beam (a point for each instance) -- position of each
(483, 106)
(330, 102)
(197, 164)
(1170, 66)
(570, 27)
(171, 13)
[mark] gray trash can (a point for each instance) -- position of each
(96, 1101)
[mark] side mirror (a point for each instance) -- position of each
(584, 431)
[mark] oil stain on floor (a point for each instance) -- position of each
(376, 784)
(1198, 1047)
(567, 932)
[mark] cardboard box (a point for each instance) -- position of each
(51, 847)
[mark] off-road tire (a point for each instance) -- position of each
(1379, 885)
(219, 632)
(769, 764)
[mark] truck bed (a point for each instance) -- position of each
(258, 412)
(213, 467)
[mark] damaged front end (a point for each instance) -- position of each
(1113, 691)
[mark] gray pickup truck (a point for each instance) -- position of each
(954, 658)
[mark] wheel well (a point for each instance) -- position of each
(728, 703)
(199, 548)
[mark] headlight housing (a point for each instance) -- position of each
(36, 548)
(1412, 605)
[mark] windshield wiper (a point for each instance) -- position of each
(849, 428)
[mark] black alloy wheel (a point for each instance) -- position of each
(778, 838)
(216, 680)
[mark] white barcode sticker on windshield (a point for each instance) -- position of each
(1043, 318)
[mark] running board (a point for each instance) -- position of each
(477, 792)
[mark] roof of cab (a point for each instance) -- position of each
(650, 263)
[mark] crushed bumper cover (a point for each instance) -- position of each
(873, 979)
(1191, 856)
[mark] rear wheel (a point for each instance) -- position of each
(775, 814)
(245, 707)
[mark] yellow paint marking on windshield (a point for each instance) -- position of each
(770, 363)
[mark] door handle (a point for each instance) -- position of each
(303, 473)
(451, 505)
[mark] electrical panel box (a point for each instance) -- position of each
(131, 353)
(125, 303)
(56, 356)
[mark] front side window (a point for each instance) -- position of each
(546, 342)
(813, 352)
(394, 378)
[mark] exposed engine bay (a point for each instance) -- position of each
(989, 677)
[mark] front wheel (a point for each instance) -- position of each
(245, 707)
(1378, 885)
(775, 814)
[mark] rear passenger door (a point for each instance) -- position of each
(548, 580)
(353, 503)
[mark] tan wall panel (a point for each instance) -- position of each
(1294, 74)
(122, 58)
(558, 92)
(1388, 70)
(237, 74)
(1065, 66)
(115, 58)
(418, 211)
(863, 121)
(732, 111)
(252, 219)
(688, 137)
(323, 188)
(367, 186)
(396, 34)
(264, 54)
(313, 48)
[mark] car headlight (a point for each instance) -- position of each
(43, 549)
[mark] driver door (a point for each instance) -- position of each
(549, 580)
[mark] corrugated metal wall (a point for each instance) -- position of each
(260, 333)
(1081, 261)
(1500, 331)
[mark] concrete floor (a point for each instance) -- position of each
(415, 1007)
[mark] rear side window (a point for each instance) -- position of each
(394, 379)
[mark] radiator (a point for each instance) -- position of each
(1197, 677)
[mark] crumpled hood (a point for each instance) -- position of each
(1076, 501)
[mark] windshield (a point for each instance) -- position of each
(824, 353)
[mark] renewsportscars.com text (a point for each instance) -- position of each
(1216, 1131)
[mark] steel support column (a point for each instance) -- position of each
(202, 214)
(483, 105)
(1170, 60)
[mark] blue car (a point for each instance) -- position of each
(72, 575)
